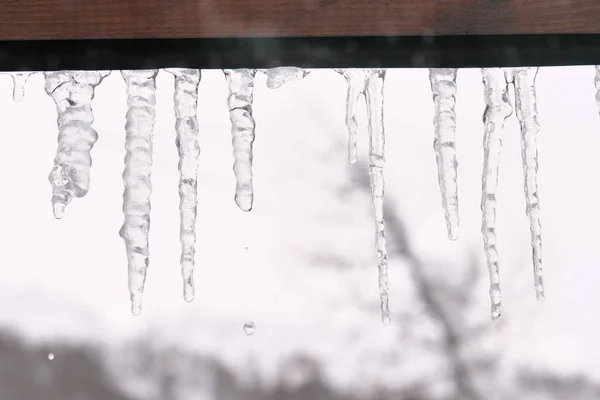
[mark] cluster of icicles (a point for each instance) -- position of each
(73, 92)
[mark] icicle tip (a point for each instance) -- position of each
(189, 289)
(59, 210)
(243, 202)
(136, 306)
(453, 232)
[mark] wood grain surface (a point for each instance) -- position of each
(111, 19)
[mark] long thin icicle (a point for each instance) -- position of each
(374, 99)
(277, 77)
(357, 84)
(498, 109)
(443, 87)
(186, 105)
(72, 91)
(241, 88)
(526, 107)
(141, 115)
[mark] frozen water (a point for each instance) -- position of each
(357, 82)
(369, 82)
(249, 328)
(597, 84)
(498, 109)
(277, 77)
(241, 88)
(443, 86)
(72, 91)
(141, 115)
(19, 82)
(50, 356)
(186, 125)
(374, 98)
(525, 104)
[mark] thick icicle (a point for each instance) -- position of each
(186, 105)
(357, 82)
(19, 82)
(443, 86)
(141, 102)
(277, 77)
(241, 88)
(526, 108)
(374, 98)
(73, 93)
(498, 109)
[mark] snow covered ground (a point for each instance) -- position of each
(301, 265)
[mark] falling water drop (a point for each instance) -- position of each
(498, 109)
(249, 328)
(241, 88)
(50, 356)
(443, 87)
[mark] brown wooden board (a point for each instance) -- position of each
(133, 19)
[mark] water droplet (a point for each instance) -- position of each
(50, 356)
(249, 328)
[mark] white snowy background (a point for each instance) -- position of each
(308, 278)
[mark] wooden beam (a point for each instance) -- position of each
(134, 19)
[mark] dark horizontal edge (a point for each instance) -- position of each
(312, 52)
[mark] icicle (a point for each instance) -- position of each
(186, 105)
(277, 77)
(597, 84)
(498, 109)
(141, 102)
(73, 93)
(19, 82)
(374, 98)
(443, 86)
(357, 81)
(241, 87)
(525, 104)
